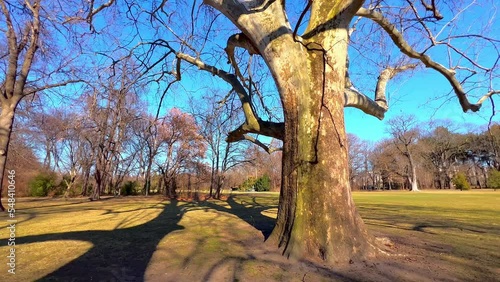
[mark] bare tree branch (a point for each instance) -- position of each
(93, 11)
(268, 149)
(239, 40)
(356, 99)
(33, 90)
(377, 107)
(406, 49)
(432, 8)
(267, 128)
(253, 124)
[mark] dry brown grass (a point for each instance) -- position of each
(448, 237)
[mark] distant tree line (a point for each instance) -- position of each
(426, 155)
(107, 144)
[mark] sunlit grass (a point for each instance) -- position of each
(138, 238)
(465, 224)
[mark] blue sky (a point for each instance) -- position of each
(420, 94)
(409, 93)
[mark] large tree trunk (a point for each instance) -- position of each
(99, 181)
(6, 122)
(170, 187)
(317, 219)
(86, 176)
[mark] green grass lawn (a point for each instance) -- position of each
(459, 227)
(455, 234)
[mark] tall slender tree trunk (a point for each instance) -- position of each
(212, 180)
(99, 181)
(86, 176)
(413, 179)
(147, 184)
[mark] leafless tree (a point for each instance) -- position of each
(110, 111)
(215, 120)
(29, 60)
(147, 142)
(441, 148)
(405, 135)
(360, 168)
(182, 147)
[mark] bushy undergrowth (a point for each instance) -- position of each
(460, 181)
(130, 188)
(42, 184)
(263, 184)
(494, 179)
(260, 184)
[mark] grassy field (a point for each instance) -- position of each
(443, 236)
(457, 228)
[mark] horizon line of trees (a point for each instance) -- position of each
(106, 144)
(425, 155)
(105, 148)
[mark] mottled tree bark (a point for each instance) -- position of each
(317, 219)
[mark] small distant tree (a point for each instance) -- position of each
(215, 120)
(42, 184)
(405, 134)
(130, 188)
(182, 147)
(263, 183)
(460, 181)
(247, 184)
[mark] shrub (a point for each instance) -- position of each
(247, 185)
(460, 181)
(76, 188)
(494, 179)
(129, 188)
(263, 184)
(42, 184)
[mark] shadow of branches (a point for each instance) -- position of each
(249, 211)
(116, 255)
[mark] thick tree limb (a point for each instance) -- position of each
(377, 108)
(356, 99)
(334, 9)
(10, 76)
(239, 40)
(488, 95)
(242, 41)
(406, 49)
(253, 124)
(432, 8)
(32, 48)
(267, 128)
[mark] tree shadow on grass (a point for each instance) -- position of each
(250, 212)
(116, 255)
